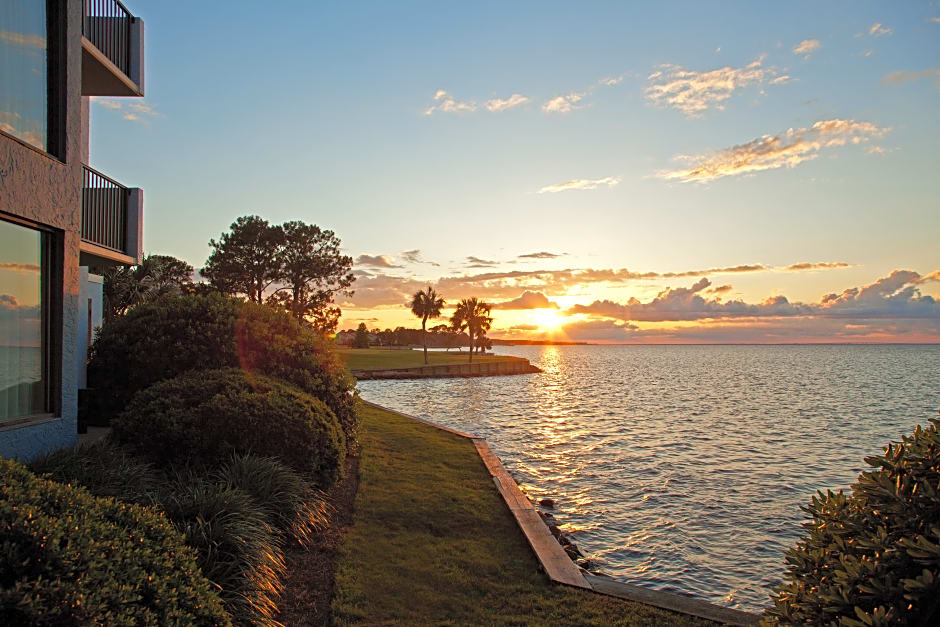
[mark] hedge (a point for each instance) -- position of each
(203, 417)
(69, 558)
(164, 338)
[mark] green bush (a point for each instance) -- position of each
(164, 338)
(104, 469)
(237, 549)
(203, 417)
(293, 507)
(872, 558)
(69, 558)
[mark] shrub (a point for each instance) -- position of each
(67, 557)
(202, 417)
(293, 507)
(236, 547)
(164, 338)
(104, 469)
(872, 558)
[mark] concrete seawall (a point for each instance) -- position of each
(479, 369)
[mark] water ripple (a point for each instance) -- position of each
(683, 468)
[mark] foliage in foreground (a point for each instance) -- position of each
(159, 340)
(67, 557)
(236, 547)
(203, 417)
(293, 508)
(872, 558)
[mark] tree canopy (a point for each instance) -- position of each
(426, 304)
(125, 287)
(472, 315)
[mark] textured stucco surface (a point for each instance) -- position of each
(47, 191)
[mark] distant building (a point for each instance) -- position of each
(62, 223)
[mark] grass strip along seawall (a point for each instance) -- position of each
(433, 542)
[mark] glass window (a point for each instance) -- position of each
(23, 379)
(24, 105)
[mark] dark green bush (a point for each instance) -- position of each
(293, 507)
(203, 417)
(69, 558)
(164, 338)
(104, 469)
(872, 558)
(237, 549)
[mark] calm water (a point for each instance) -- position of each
(683, 468)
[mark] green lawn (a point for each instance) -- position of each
(433, 543)
(385, 359)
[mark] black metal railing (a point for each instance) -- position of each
(107, 24)
(104, 210)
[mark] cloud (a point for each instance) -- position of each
(610, 81)
(820, 265)
(769, 152)
(541, 255)
(496, 104)
(599, 331)
(134, 111)
(36, 42)
(895, 296)
(903, 76)
(720, 289)
(936, 20)
(693, 92)
(19, 267)
(563, 104)
(446, 103)
(376, 261)
(609, 181)
(476, 262)
(528, 300)
(807, 47)
(412, 256)
(877, 30)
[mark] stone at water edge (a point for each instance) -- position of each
(549, 503)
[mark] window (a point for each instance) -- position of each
(24, 75)
(24, 362)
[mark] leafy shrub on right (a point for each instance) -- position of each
(872, 558)
(203, 417)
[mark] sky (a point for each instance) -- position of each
(604, 172)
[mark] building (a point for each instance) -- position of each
(62, 223)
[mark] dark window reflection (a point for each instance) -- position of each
(22, 350)
(24, 110)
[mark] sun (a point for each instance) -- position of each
(548, 319)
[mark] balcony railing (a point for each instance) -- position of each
(107, 24)
(104, 210)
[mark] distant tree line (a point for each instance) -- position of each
(440, 336)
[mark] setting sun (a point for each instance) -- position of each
(548, 319)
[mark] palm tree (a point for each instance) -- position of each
(473, 316)
(426, 304)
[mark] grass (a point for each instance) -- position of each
(387, 359)
(432, 542)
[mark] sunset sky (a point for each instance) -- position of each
(668, 172)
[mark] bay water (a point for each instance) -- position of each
(683, 468)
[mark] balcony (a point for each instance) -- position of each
(112, 221)
(112, 50)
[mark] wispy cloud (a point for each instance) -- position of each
(540, 255)
(693, 92)
(877, 30)
(807, 47)
(376, 261)
(497, 104)
(819, 265)
(769, 152)
(414, 256)
(610, 81)
(446, 103)
(609, 181)
(136, 111)
(477, 262)
(528, 300)
(19, 267)
(36, 42)
(563, 104)
(904, 76)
